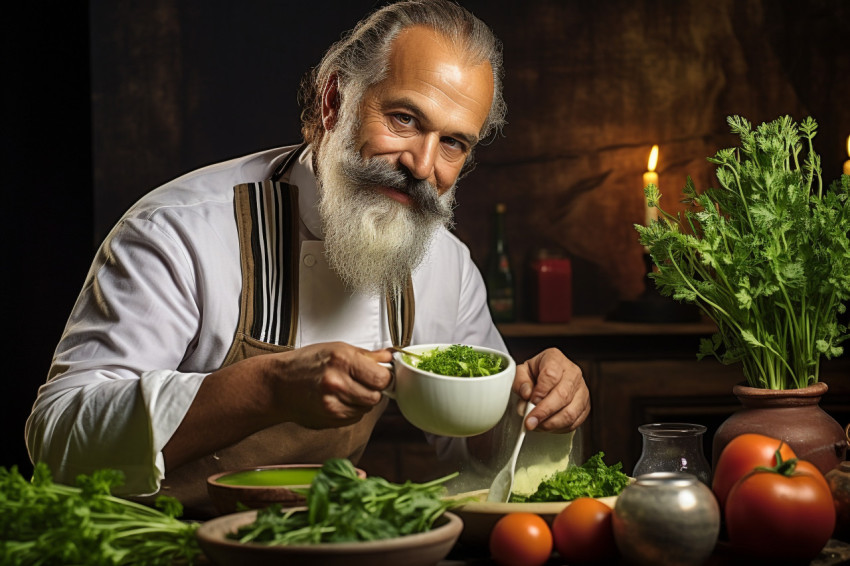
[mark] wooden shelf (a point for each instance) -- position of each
(598, 326)
(595, 338)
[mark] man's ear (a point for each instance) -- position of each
(330, 103)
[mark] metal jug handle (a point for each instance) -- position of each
(841, 448)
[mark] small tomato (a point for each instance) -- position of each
(742, 455)
(782, 513)
(521, 539)
(583, 533)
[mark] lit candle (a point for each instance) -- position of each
(651, 178)
(847, 163)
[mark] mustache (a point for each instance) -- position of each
(367, 173)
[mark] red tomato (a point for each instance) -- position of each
(806, 467)
(771, 516)
(741, 456)
(521, 539)
(583, 532)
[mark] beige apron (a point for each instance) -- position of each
(268, 221)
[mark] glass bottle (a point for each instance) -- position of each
(499, 278)
(673, 447)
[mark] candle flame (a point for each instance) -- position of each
(653, 157)
(848, 146)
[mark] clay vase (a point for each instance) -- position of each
(792, 415)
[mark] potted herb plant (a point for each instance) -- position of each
(766, 256)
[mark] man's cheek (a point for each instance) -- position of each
(445, 181)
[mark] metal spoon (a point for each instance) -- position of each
(405, 352)
(500, 489)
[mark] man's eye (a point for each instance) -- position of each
(403, 119)
(454, 144)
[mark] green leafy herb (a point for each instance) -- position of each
(343, 507)
(591, 479)
(48, 523)
(766, 255)
(461, 361)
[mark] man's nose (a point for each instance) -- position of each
(419, 157)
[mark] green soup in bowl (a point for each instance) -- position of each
(261, 486)
(271, 477)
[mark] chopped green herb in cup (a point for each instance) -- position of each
(461, 361)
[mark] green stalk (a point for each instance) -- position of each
(721, 313)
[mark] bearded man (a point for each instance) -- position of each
(237, 315)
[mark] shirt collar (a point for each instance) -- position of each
(303, 177)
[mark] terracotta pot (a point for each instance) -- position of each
(793, 415)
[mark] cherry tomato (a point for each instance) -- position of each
(772, 516)
(521, 539)
(741, 456)
(583, 533)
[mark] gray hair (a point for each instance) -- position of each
(361, 58)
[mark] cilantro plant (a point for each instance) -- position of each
(461, 361)
(765, 255)
(48, 523)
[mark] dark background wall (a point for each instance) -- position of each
(102, 104)
(590, 86)
(48, 213)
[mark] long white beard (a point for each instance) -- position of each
(372, 241)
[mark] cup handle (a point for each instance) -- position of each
(390, 390)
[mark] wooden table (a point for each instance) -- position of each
(834, 553)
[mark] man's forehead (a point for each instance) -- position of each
(424, 60)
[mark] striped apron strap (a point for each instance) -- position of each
(401, 308)
(267, 217)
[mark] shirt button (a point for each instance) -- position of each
(309, 260)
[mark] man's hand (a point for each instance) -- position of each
(328, 385)
(555, 384)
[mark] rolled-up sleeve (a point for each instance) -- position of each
(105, 403)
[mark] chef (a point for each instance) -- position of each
(236, 316)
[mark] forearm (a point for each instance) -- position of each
(327, 385)
(231, 404)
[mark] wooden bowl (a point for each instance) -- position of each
(274, 484)
(421, 549)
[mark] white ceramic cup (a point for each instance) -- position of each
(446, 405)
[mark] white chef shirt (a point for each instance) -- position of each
(160, 305)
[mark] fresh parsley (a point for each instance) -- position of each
(461, 361)
(342, 507)
(48, 523)
(591, 479)
(766, 255)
